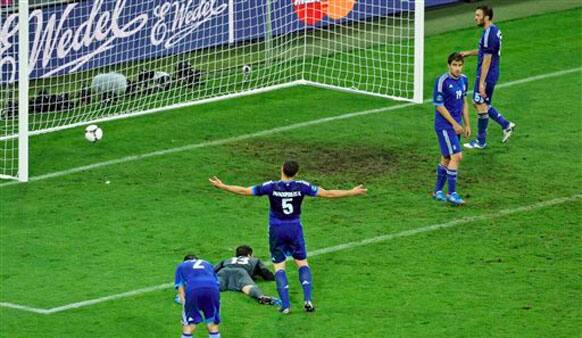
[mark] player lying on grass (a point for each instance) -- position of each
(240, 272)
(285, 228)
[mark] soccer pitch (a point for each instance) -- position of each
(392, 263)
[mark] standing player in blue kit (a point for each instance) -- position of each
(198, 290)
(285, 228)
(451, 108)
(488, 66)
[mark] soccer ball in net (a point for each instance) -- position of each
(93, 133)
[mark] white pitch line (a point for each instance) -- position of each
(107, 298)
(451, 224)
(24, 308)
(264, 132)
(335, 248)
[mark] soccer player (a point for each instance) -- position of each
(198, 290)
(489, 54)
(285, 228)
(449, 97)
(239, 273)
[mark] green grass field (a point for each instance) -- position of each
(507, 264)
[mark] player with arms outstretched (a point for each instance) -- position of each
(449, 98)
(285, 228)
(488, 64)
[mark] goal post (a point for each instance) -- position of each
(418, 51)
(23, 154)
(74, 63)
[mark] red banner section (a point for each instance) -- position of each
(311, 12)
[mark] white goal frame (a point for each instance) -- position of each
(23, 86)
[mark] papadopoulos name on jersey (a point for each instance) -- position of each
(287, 193)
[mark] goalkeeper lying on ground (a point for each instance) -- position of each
(240, 272)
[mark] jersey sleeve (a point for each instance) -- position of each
(466, 83)
(219, 266)
(309, 189)
(262, 270)
(438, 96)
(491, 42)
(263, 189)
(179, 277)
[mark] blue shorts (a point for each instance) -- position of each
(202, 304)
(489, 89)
(449, 142)
(286, 240)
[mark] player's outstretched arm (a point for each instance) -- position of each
(359, 190)
(235, 189)
(473, 52)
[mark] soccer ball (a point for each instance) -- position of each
(93, 133)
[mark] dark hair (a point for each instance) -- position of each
(190, 257)
(244, 250)
(487, 11)
(456, 56)
(290, 168)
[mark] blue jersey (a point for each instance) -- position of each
(449, 92)
(194, 274)
(490, 43)
(285, 198)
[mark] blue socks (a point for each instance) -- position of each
(187, 335)
(441, 174)
(452, 179)
(494, 114)
(305, 280)
(482, 123)
(282, 287)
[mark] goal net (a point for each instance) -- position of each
(92, 61)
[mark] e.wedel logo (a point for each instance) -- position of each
(55, 38)
(175, 21)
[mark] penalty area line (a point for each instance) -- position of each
(318, 252)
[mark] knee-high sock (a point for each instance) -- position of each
(441, 177)
(482, 123)
(497, 117)
(305, 280)
(452, 179)
(282, 287)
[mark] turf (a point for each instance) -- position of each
(75, 237)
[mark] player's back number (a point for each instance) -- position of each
(198, 265)
(287, 206)
(240, 260)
